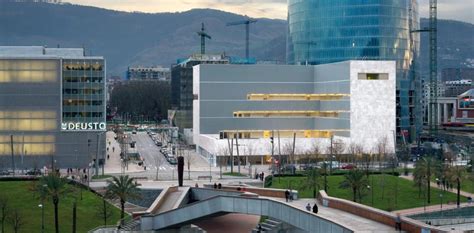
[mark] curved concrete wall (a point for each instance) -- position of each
(302, 220)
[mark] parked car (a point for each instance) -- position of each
(36, 172)
(172, 160)
(349, 166)
(158, 143)
(134, 132)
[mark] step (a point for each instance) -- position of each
(267, 225)
(273, 222)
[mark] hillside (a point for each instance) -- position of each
(159, 39)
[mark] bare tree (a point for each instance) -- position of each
(381, 151)
(224, 151)
(16, 220)
(3, 210)
(189, 159)
(250, 150)
(103, 211)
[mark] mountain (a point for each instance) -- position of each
(127, 39)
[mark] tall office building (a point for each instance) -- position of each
(327, 31)
(52, 108)
(182, 87)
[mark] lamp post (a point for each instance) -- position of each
(42, 207)
(441, 197)
(371, 195)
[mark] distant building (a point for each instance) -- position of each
(265, 106)
(459, 109)
(453, 74)
(148, 74)
(456, 88)
(182, 87)
(52, 107)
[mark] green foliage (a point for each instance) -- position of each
(142, 98)
(21, 198)
(233, 174)
(313, 180)
(400, 193)
(122, 188)
(356, 181)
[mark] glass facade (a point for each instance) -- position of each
(326, 31)
(83, 99)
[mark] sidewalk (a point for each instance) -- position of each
(431, 208)
(113, 165)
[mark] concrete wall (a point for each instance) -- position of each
(373, 115)
(300, 219)
(387, 218)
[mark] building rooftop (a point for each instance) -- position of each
(43, 52)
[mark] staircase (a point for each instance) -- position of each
(268, 226)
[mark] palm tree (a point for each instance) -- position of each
(424, 170)
(356, 181)
(122, 188)
(313, 179)
(457, 174)
(55, 187)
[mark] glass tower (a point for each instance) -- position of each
(326, 31)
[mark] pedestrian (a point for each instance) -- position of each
(291, 195)
(398, 223)
(287, 195)
(259, 228)
(219, 186)
(215, 186)
(113, 149)
(315, 208)
(107, 149)
(196, 185)
(108, 156)
(308, 207)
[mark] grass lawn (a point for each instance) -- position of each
(390, 192)
(22, 199)
(234, 174)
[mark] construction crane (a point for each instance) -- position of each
(247, 23)
(203, 36)
(433, 102)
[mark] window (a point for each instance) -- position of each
(372, 76)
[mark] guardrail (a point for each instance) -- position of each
(297, 218)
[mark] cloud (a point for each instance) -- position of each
(447, 9)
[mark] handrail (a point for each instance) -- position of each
(221, 209)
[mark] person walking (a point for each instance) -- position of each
(315, 208)
(398, 223)
(219, 186)
(287, 195)
(215, 186)
(308, 207)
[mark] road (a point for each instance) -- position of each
(154, 159)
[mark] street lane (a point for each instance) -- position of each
(150, 152)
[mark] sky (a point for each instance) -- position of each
(462, 10)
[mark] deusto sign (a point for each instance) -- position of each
(83, 126)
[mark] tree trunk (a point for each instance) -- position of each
(56, 218)
(459, 192)
(74, 208)
(105, 212)
(122, 209)
(354, 194)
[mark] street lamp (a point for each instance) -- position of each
(42, 207)
(441, 197)
(371, 195)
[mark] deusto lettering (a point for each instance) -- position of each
(83, 126)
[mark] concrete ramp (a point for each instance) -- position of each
(301, 220)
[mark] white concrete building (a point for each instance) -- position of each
(352, 102)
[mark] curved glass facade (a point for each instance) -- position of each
(326, 31)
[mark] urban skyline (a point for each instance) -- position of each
(275, 9)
